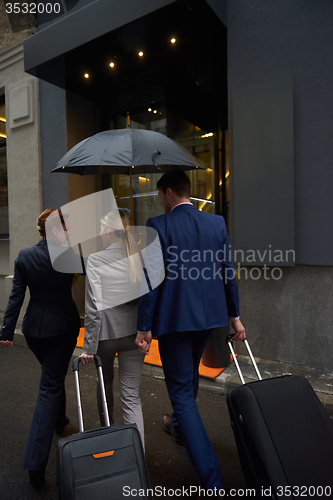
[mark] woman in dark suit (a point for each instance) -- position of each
(51, 325)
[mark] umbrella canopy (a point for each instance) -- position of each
(125, 151)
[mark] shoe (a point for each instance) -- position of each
(168, 427)
(36, 478)
(59, 428)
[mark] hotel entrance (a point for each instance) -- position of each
(168, 70)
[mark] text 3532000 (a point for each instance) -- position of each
(32, 8)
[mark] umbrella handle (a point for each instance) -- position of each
(155, 155)
(139, 243)
(131, 197)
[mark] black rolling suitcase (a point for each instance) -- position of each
(104, 463)
(284, 436)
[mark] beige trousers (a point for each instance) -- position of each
(130, 362)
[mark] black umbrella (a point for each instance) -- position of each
(126, 151)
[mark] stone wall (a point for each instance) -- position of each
(14, 28)
(23, 160)
(289, 319)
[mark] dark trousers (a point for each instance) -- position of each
(180, 355)
(54, 354)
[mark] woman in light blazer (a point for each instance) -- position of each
(112, 287)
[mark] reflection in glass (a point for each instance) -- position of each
(197, 141)
(4, 226)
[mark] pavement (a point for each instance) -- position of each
(168, 465)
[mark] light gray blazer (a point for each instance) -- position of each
(111, 298)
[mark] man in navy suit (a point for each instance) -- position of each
(198, 294)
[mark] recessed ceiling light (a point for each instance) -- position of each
(210, 134)
(111, 64)
(140, 53)
(150, 110)
(86, 75)
(155, 111)
(173, 40)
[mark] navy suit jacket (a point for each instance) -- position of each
(51, 310)
(199, 291)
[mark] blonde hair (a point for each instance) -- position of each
(118, 221)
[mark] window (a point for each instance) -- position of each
(4, 226)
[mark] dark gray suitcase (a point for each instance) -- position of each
(284, 437)
(104, 463)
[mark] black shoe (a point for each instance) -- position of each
(168, 427)
(59, 428)
(36, 478)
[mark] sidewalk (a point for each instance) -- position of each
(322, 382)
(168, 464)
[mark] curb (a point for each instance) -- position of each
(321, 382)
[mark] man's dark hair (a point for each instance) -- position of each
(176, 180)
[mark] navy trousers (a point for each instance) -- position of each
(54, 354)
(180, 355)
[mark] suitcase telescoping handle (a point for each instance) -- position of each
(98, 363)
(229, 342)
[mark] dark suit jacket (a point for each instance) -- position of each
(51, 310)
(199, 291)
